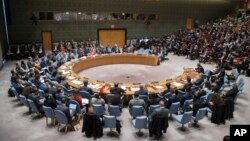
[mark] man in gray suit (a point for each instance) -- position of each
(136, 102)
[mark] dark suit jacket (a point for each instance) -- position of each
(65, 110)
(232, 92)
(92, 125)
(158, 122)
(187, 85)
(142, 92)
(87, 89)
(171, 100)
(49, 102)
(115, 100)
(116, 90)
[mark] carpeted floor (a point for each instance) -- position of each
(17, 125)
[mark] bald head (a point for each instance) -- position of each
(162, 104)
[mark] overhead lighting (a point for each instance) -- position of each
(79, 13)
(67, 13)
(123, 13)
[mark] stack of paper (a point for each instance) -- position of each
(135, 89)
(123, 87)
(159, 87)
(77, 82)
(96, 86)
(177, 84)
(71, 77)
(65, 72)
(85, 101)
(63, 67)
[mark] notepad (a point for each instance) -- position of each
(123, 87)
(159, 87)
(85, 101)
(177, 84)
(65, 72)
(77, 82)
(135, 89)
(63, 67)
(71, 77)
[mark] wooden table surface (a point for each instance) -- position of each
(72, 68)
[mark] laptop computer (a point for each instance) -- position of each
(72, 106)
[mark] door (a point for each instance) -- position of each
(47, 40)
(112, 36)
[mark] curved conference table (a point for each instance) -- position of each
(72, 68)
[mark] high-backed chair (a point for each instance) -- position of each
(15, 93)
(199, 115)
(186, 104)
(137, 111)
(65, 89)
(85, 94)
(49, 114)
(151, 108)
(24, 101)
(174, 108)
(109, 122)
(181, 92)
(140, 122)
(203, 99)
(62, 119)
(144, 97)
(167, 95)
(33, 106)
(98, 109)
(209, 97)
(109, 97)
(184, 118)
(114, 110)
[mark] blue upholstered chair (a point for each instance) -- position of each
(140, 122)
(144, 97)
(151, 108)
(114, 110)
(137, 111)
(199, 115)
(24, 100)
(174, 108)
(167, 95)
(186, 104)
(98, 109)
(185, 118)
(203, 99)
(49, 114)
(34, 108)
(15, 93)
(85, 94)
(109, 122)
(62, 119)
(209, 97)
(181, 92)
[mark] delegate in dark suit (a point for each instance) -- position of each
(142, 91)
(158, 122)
(87, 89)
(116, 89)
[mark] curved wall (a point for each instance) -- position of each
(172, 15)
